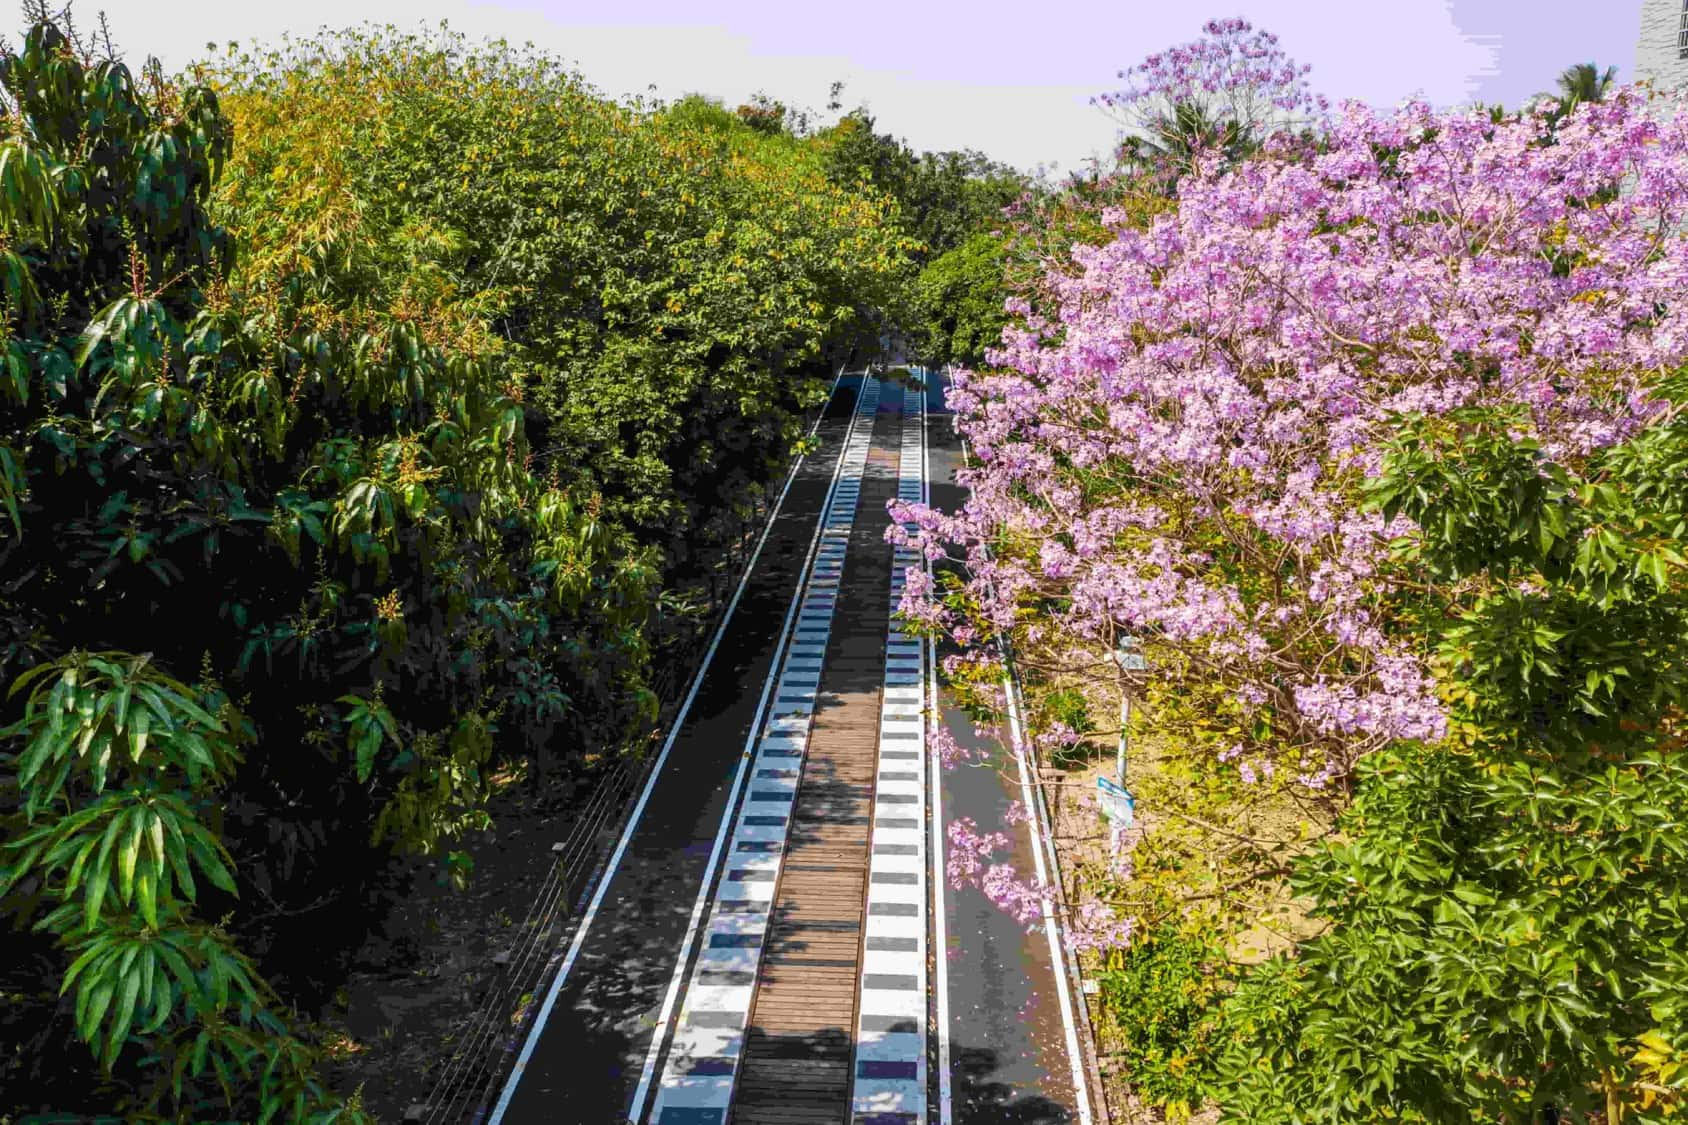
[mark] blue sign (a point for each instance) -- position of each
(1115, 802)
(1128, 657)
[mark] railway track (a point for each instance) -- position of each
(759, 950)
(734, 964)
(797, 1047)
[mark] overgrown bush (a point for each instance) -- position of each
(1507, 929)
(666, 287)
(301, 542)
(960, 297)
(1160, 1007)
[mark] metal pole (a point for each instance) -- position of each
(1129, 659)
(1124, 725)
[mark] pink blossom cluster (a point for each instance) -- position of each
(970, 850)
(971, 862)
(1014, 896)
(1172, 444)
(943, 745)
(1096, 927)
(1055, 737)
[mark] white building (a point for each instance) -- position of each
(1661, 53)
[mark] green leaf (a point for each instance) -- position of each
(99, 999)
(155, 837)
(100, 877)
(138, 732)
(161, 997)
(367, 744)
(146, 892)
(129, 852)
(122, 1015)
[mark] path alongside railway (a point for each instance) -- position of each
(1007, 1036)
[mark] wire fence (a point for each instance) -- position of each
(470, 1072)
(483, 1049)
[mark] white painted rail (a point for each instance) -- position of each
(889, 1080)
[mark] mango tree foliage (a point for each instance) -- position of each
(665, 285)
(120, 769)
(306, 480)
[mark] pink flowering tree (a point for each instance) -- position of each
(1223, 94)
(1175, 448)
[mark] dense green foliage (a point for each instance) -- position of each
(955, 204)
(136, 760)
(665, 288)
(409, 481)
(1160, 1002)
(959, 296)
(1508, 920)
(157, 471)
(944, 197)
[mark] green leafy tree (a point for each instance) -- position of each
(1585, 82)
(119, 772)
(306, 477)
(960, 297)
(943, 198)
(857, 153)
(667, 287)
(950, 203)
(765, 115)
(1507, 925)
(958, 194)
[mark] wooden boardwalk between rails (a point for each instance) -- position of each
(797, 1055)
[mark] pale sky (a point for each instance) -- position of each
(1011, 79)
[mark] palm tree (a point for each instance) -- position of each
(1585, 82)
(1173, 138)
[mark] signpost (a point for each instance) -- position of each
(1129, 660)
(1112, 798)
(1116, 804)
(1117, 808)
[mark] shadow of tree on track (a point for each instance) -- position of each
(981, 1101)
